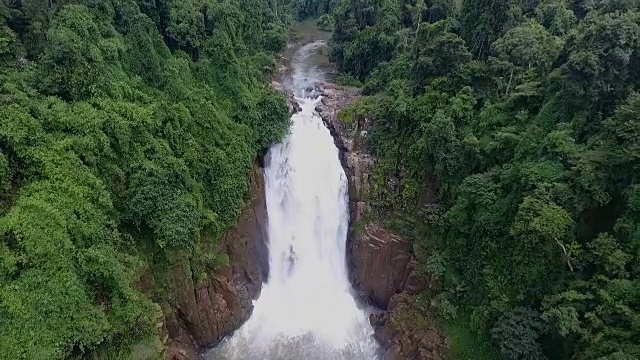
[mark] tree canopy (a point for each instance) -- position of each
(127, 132)
(510, 130)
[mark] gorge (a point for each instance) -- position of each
(306, 309)
(426, 180)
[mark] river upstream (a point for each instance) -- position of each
(306, 310)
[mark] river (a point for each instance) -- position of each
(306, 310)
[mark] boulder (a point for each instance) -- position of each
(405, 333)
(379, 263)
(292, 104)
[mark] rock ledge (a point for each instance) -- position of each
(382, 265)
(200, 314)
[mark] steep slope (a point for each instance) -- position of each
(128, 131)
(505, 138)
(383, 266)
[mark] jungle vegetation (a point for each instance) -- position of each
(127, 132)
(507, 134)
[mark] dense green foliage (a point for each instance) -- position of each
(127, 132)
(304, 9)
(507, 134)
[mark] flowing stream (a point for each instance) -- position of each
(306, 310)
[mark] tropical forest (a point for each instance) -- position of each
(127, 132)
(506, 135)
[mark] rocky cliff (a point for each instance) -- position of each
(199, 314)
(382, 265)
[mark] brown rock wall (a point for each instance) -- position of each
(201, 314)
(382, 265)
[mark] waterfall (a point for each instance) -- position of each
(306, 310)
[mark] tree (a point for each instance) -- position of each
(527, 48)
(599, 66)
(437, 53)
(517, 333)
(486, 20)
(73, 63)
(555, 16)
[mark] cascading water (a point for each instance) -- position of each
(306, 310)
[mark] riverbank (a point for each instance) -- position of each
(383, 266)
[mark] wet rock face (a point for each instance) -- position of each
(382, 265)
(379, 264)
(292, 104)
(378, 260)
(350, 138)
(201, 314)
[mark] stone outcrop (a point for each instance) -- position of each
(406, 333)
(199, 313)
(292, 104)
(350, 139)
(382, 265)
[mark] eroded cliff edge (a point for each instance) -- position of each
(382, 265)
(200, 313)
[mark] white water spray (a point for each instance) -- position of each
(306, 311)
